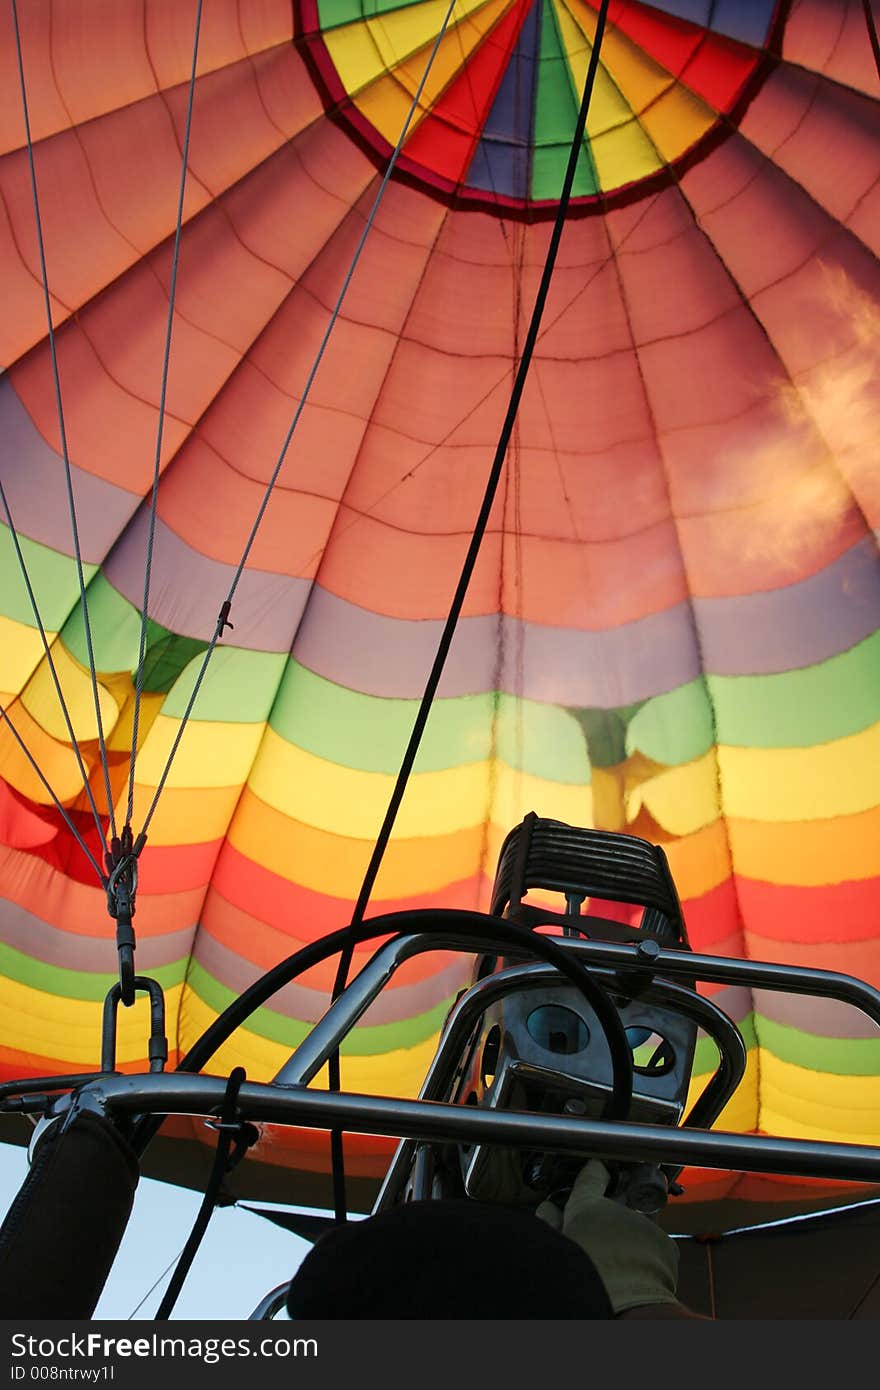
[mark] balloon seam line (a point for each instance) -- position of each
(151, 533)
(491, 485)
(84, 608)
(223, 619)
(470, 560)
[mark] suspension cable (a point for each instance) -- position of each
(151, 532)
(48, 652)
(58, 806)
(62, 427)
(223, 616)
(467, 570)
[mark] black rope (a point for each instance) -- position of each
(473, 550)
(490, 932)
(234, 1140)
(872, 32)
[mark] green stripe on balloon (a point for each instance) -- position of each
(364, 1041)
(332, 14)
(812, 1051)
(800, 709)
(368, 733)
(556, 112)
(52, 575)
(76, 984)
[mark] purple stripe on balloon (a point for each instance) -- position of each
(735, 1001)
(188, 588)
(799, 625)
(36, 489)
(746, 20)
(502, 159)
(391, 657)
(86, 955)
(826, 1018)
(296, 1001)
(754, 634)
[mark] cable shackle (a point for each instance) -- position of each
(157, 1047)
(122, 868)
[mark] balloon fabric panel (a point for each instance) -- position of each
(672, 627)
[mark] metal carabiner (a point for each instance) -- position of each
(157, 1049)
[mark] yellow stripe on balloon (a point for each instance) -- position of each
(352, 802)
(765, 784)
(397, 1073)
(803, 1104)
(620, 148)
(21, 650)
(40, 699)
(740, 1114)
(365, 51)
(387, 101)
(51, 1026)
(672, 117)
(790, 784)
(516, 793)
(210, 754)
(683, 799)
(637, 76)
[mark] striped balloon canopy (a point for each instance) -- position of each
(672, 625)
(496, 116)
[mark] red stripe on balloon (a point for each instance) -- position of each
(304, 915)
(714, 922)
(836, 912)
(713, 67)
(445, 139)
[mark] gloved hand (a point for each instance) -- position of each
(636, 1261)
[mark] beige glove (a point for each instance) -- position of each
(636, 1261)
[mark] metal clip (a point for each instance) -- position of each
(158, 1043)
(122, 865)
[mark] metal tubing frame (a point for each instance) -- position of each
(270, 1304)
(328, 1033)
(468, 1009)
(181, 1094)
(340, 1018)
(287, 1101)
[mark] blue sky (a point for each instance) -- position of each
(241, 1258)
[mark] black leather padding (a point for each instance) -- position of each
(62, 1232)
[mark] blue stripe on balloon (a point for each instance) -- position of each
(697, 11)
(501, 160)
(746, 20)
